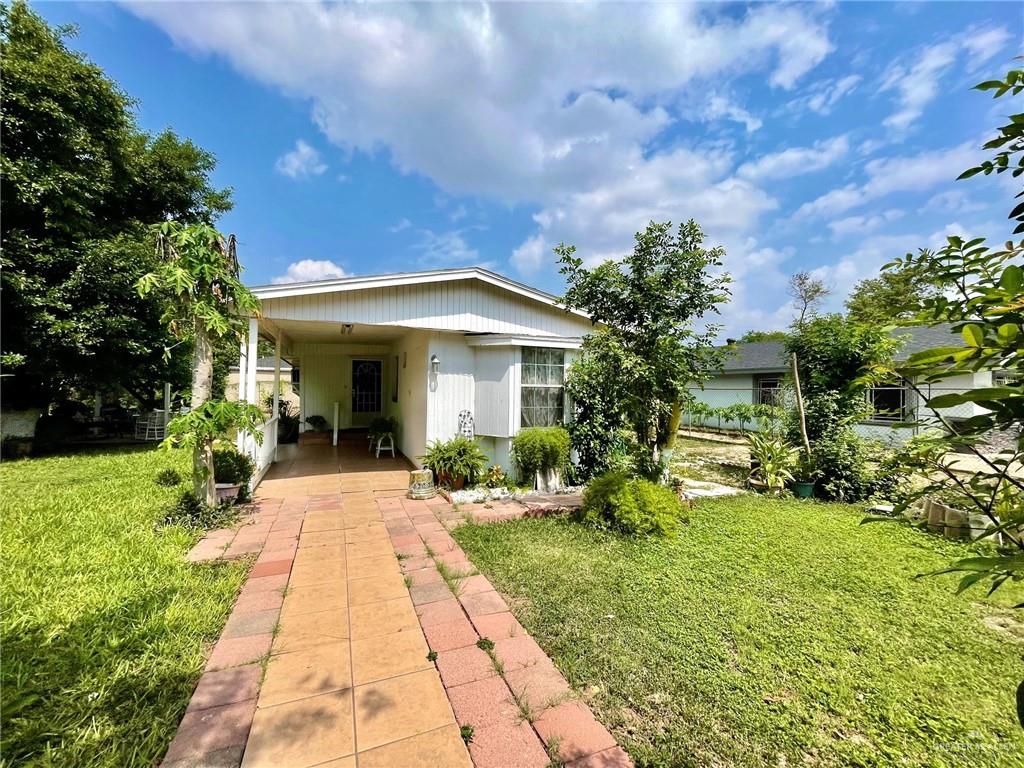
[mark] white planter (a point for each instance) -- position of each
(549, 481)
(227, 491)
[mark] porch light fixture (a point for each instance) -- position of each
(435, 364)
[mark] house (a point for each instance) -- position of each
(265, 378)
(755, 372)
(437, 350)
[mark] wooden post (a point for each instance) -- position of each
(800, 406)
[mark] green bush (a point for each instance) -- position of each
(631, 505)
(539, 449)
(454, 459)
(167, 477)
(230, 466)
(189, 512)
(318, 423)
(842, 460)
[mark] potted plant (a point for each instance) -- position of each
(318, 423)
(774, 459)
(232, 472)
(455, 461)
(541, 454)
(805, 474)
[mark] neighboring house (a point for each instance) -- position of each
(755, 373)
(428, 348)
(265, 378)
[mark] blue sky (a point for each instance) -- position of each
(362, 139)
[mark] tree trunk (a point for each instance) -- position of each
(668, 447)
(202, 385)
(800, 406)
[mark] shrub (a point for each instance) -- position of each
(495, 477)
(597, 412)
(230, 466)
(631, 505)
(189, 512)
(167, 477)
(841, 458)
(318, 423)
(383, 425)
(540, 449)
(453, 459)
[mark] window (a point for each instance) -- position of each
(543, 387)
(889, 402)
(768, 390)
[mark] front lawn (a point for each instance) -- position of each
(769, 633)
(104, 622)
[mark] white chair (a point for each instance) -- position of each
(150, 427)
(388, 446)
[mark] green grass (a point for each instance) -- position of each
(105, 625)
(769, 633)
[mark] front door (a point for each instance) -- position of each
(367, 377)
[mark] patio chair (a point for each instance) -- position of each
(150, 426)
(386, 442)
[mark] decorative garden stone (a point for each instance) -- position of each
(421, 484)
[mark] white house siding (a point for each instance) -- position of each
(459, 305)
(493, 397)
(411, 408)
(325, 372)
(451, 390)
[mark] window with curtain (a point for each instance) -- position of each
(542, 387)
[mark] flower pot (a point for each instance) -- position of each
(227, 491)
(548, 481)
(803, 489)
(455, 483)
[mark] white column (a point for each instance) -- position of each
(97, 406)
(277, 375)
(252, 395)
(334, 440)
(167, 403)
(243, 366)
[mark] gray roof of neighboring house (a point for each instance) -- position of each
(267, 364)
(770, 356)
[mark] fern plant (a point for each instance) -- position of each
(455, 461)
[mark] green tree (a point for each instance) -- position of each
(890, 297)
(984, 300)
(199, 269)
(80, 183)
(649, 302)
(751, 337)
(807, 293)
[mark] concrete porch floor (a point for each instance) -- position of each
(326, 659)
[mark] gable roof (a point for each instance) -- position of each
(770, 356)
(363, 282)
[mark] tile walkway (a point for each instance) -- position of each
(328, 658)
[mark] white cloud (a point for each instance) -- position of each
(523, 103)
(310, 269)
(796, 160)
(719, 107)
(917, 84)
(529, 257)
(446, 249)
(830, 92)
(955, 200)
(889, 175)
(302, 162)
(863, 224)
(401, 225)
(458, 213)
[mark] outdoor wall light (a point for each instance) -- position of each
(435, 364)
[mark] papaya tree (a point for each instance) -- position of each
(198, 274)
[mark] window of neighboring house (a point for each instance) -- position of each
(542, 387)
(768, 390)
(889, 402)
(1006, 379)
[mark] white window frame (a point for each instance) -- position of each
(523, 385)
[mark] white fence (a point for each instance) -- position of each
(263, 453)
